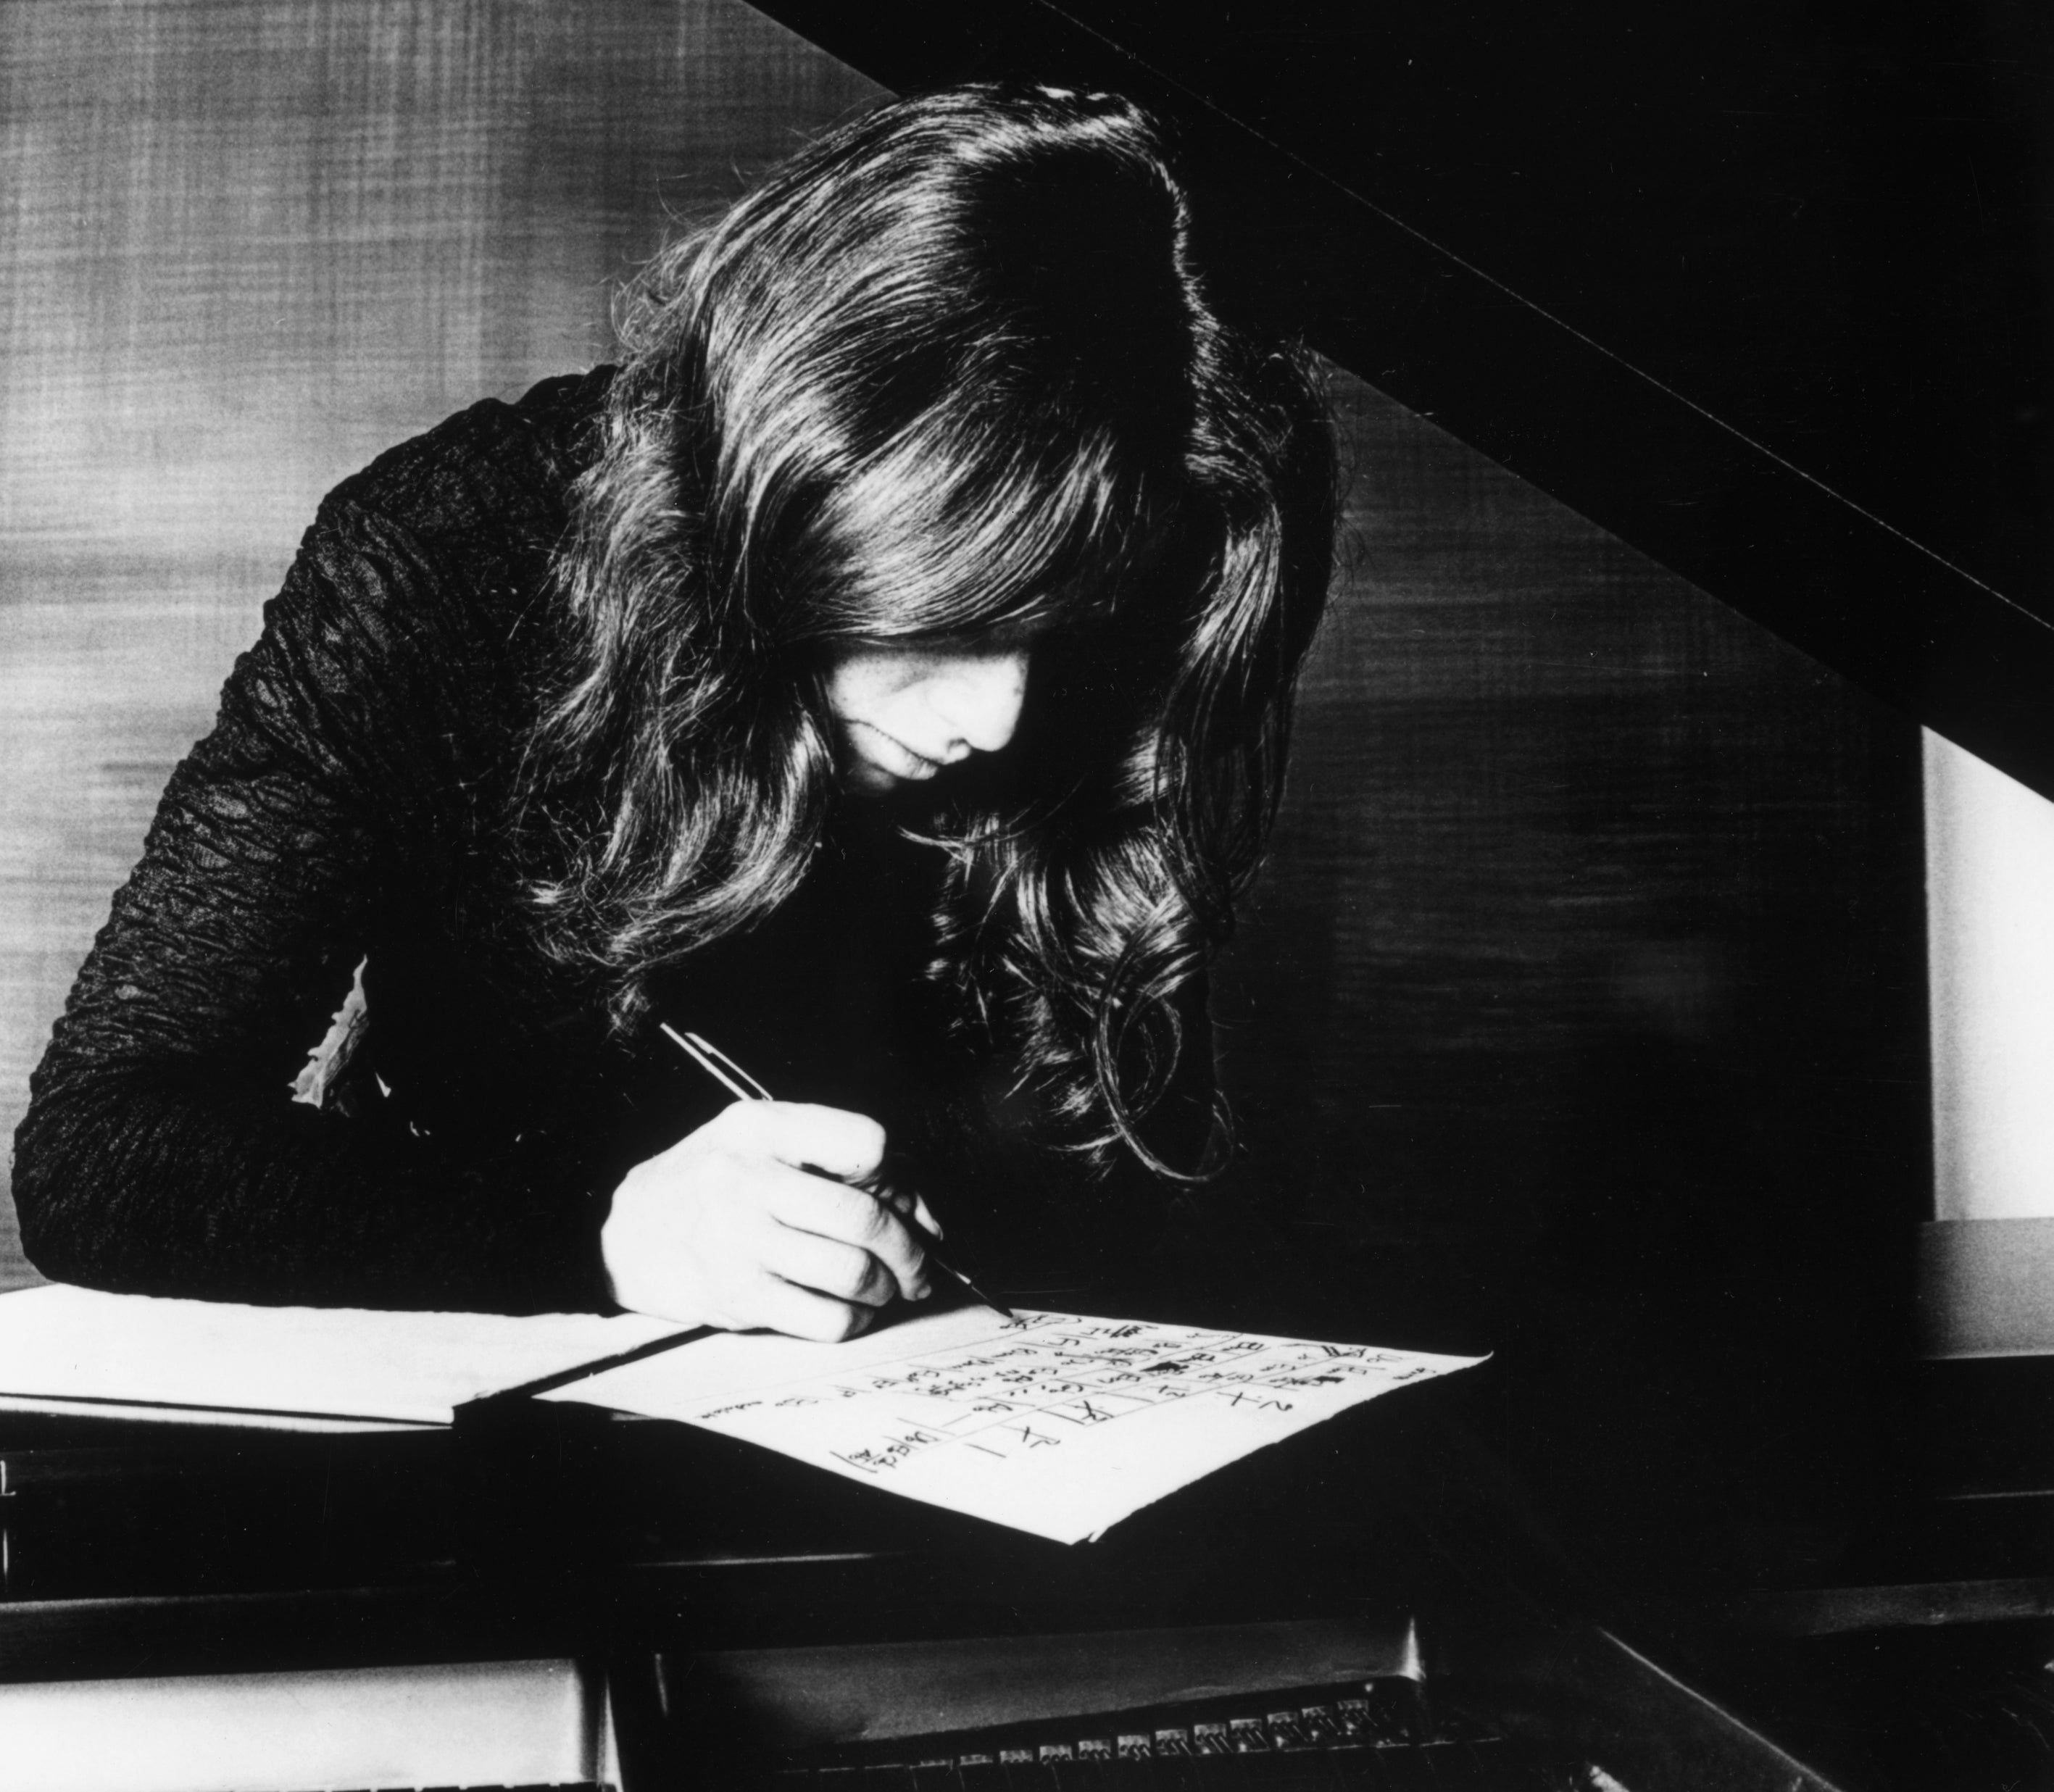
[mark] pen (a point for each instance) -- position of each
(744, 1087)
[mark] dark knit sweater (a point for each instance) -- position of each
(350, 805)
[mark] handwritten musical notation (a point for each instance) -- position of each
(1053, 1423)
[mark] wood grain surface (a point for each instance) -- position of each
(246, 246)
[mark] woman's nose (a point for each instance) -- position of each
(979, 697)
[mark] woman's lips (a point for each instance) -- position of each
(902, 761)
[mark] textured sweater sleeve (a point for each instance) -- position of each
(161, 1152)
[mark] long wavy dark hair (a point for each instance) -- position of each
(951, 368)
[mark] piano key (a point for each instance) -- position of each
(1025, 1771)
(1318, 1725)
(1286, 1730)
(980, 1772)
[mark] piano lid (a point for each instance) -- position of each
(1760, 290)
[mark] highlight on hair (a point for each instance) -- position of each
(950, 369)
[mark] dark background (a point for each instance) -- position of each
(1827, 222)
(1579, 1013)
(1762, 289)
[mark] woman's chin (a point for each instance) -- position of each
(860, 778)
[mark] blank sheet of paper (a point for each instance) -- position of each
(299, 1366)
(1052, 1424)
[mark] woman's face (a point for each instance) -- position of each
(904, 711)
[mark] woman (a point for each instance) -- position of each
(884, 673)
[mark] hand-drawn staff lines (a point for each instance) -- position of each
(1011, 1400)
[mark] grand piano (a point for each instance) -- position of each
(1765, 299)
(1377, 1604)
(1676, 334)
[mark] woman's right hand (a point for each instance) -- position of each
(759, 1219)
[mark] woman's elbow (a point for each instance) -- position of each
(57, 1188)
